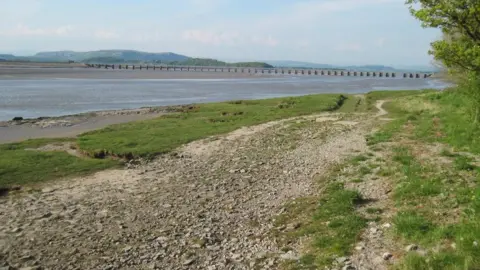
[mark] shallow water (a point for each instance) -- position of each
(31, 98)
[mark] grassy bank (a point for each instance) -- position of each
(437, 196)
(429, 156)
(161, 135)
(21, 164)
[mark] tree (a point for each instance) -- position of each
(459, 21)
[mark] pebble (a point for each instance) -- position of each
(359, 248)
(387, 256)
(188, 261)
(411, 247)
(289, 256)
(184, 200)
(341, 260)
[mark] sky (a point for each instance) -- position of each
(340, 32)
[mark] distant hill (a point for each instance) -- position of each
(135, 57)
(298, 64)
(370, 68)
(126, 55)
(6, 57)
(214, 62)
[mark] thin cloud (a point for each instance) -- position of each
(349, 47)
(231, 38)
(24, 30)
(380, 42)
(105, 34)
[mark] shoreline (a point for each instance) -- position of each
(25, 73)
(75, 124)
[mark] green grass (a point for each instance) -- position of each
(358, 159)
(452, 124)
(334, 228)
(19, 166)
(463, 163)
(438, 204)
(161, 135)
(372, 97)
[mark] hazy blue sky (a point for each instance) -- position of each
(322, 31)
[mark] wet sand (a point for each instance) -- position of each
(72, 125)
(7, 72)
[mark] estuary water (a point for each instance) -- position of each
(31, 98)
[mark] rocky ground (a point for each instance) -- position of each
(209, 205)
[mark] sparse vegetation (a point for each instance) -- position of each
(334, 227)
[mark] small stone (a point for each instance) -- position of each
(261, 255)
(48, 190)
(475, 243)
(387, 256)
(127, 249)
(386, 225)
(189, 261)
(289, 256)
(16, 230)
(359, 248)
(242, 171)
(373, 230)
(294, 226)
(341, 260)
(236, 256)
(161, 239)
(411, 247)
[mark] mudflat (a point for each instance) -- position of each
(71, 125)
(76, 72)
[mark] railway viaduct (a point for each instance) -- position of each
(284, 71)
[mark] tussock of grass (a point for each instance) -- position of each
(463, 163)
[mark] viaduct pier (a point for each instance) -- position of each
(279, 71)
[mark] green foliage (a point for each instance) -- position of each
(460, 49)
(459, 19)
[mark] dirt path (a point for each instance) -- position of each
(207, 206)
